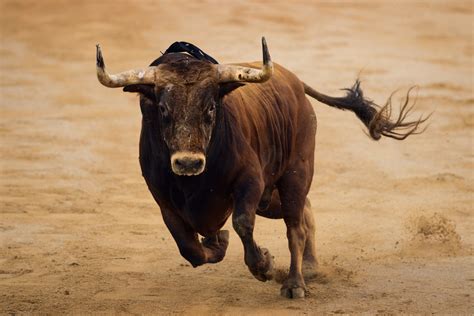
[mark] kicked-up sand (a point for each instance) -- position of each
(80, 233)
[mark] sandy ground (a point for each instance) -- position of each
(79, 232)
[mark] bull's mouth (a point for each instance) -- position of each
(185, 163)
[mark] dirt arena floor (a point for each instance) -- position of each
(80, 233)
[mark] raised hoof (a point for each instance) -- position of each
(264, 269)
(296, 292)
(216, 246)
(223, 237)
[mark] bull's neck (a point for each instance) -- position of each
(221, 147)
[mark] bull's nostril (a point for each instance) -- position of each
(180, 163)
(196, 164)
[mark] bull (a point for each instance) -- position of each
(237, 139)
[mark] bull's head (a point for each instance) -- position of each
(187, 94)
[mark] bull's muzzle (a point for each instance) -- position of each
(188, 163)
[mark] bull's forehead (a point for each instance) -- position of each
(191, 96)
(189, 72)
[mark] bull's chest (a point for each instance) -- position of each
(204, 208)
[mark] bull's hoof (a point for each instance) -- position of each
(293, 287)
(263, 270)
(223, 237)
(269, 264)
(216, 246)
(296, 292)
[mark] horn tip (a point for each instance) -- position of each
(264, 43)
(99, 58)
(266, 54)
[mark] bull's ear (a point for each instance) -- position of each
(225, 88)
(145, 89)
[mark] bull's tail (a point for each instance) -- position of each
(376, 118)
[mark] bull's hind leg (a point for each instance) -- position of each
(293, 188)
(246, 197)
(273, 211)
(310, 262)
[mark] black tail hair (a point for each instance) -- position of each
(376, 118)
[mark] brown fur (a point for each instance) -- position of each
(258, 141)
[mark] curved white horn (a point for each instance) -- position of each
(134, 76)
(231, 73)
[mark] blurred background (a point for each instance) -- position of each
(79, 231)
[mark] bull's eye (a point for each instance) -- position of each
(210, 113)
(163, 109)
(211, 109)
(164, 112)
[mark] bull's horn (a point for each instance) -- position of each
(231, 73)
(134, 76)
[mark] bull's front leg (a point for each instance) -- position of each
(247, 195)
(211, 250)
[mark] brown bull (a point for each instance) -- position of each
(218, 140)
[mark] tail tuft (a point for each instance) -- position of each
(377, 119)
(397, 127)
